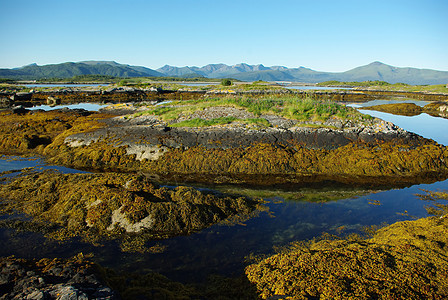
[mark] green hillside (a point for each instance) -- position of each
(70, 69)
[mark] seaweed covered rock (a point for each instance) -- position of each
(404, 109)
(32, 131)
(356, 151)
(407, 260)
(96, 206)
(370, 163)
(73, 278)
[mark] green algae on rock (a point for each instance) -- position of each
(406, 260)
(119, 206)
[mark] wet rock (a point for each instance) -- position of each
(114, 206)
(21, 97)
(19, 110)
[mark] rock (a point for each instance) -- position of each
(21, 97)
(52, 101)
(155, 89)
(30, 279)
(19, 110)
(36, 295)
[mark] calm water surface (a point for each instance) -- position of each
(86, 106)
(222, 249)
(425, 125)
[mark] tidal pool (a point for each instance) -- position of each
(86, 106)
(222, 249)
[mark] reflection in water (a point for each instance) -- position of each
(86, 106)
(222, 249)
(423, 124)
(389, 101)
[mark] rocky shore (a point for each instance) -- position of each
(368, 151)
(121, 94)
(141, 143)
(257, 149)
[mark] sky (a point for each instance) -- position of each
(332, 36)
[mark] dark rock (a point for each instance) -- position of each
(29, 279)
(21, 97)
(19, 110)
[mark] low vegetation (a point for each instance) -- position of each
(297, 107)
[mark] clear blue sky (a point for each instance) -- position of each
(318, 34)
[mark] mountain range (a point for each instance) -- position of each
(244, 72)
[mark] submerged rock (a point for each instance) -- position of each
(406, 260)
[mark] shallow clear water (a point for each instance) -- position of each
(86, 106)
(222, 249)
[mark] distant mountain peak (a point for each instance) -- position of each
(30, 65)
(377, 63)
(100, 62)
(243, 71)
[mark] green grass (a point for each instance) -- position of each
(204, 123)
(295, 107)
(221, 121)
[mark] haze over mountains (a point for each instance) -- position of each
(244, 72)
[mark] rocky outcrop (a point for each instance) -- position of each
(150, 134)
(118, 206)
(377, 152)
(363, 150)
